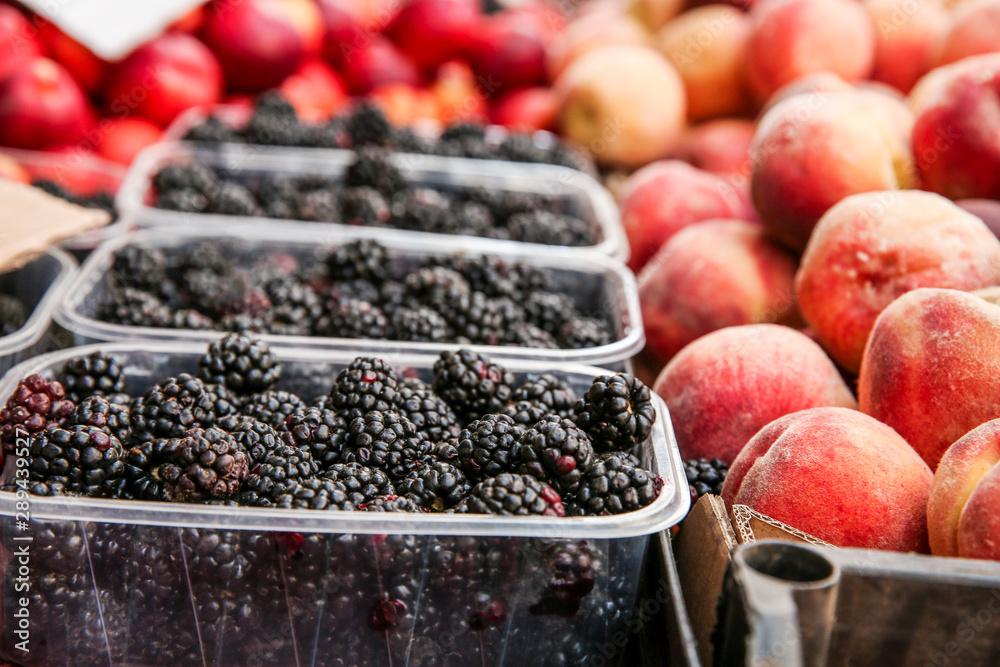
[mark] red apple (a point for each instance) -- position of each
(123, 138)
(315, 90)
(527, 110)
(376, 64)
(344, 29)
(18, 44)
(258, 42)
(509, 51)
(191, 22)
(41, 105)
(433, 31)
(88, 70)
(165, 77)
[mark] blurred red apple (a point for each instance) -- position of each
(88, 70)
(258, 42)
(433, 31)
(123, 138)
(509, 51)
(41, 105)
(164, 77)
(458, 96)
(342, 21)
(18, 44)
(527, 110)
(375, 64)
(315, 90)
(308, 20)
(190, 22)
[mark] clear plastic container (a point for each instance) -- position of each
(580, 194)
(596, 283)
(39, 284)
(81, 175)
(145, 583)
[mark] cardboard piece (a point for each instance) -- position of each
(751, 525)
(32, 220)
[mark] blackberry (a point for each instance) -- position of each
(242, 364)
(139, 267)
(364, 259)
(392, 297)
(526, 413)
(423, 210)
(490, 275)
(616, 412)
(549, 310)
(364, 385)
(221, 295)
(358, 290)
(100, 412)
(212, 131)
(204, 463)
(256, 438)
(367, 125)
(390, 503)
(96, 374)
(550, 391)
(387, 441)
(528, 335)
(436, 286)
(522, 148)
(352, 318)
(195, 177)
(202, 256)
(273, 407)
(436, 486)
(472, 384)
(295, 308)
(364, 206)
(319, 206)
(463, 131)
(317, 493)
(273, 189)
(513, 494)
(473, 218)
(321, 432)
(407, 141)
(34, 404)
(234, 199)
(581, 332)
(274, 123)
(419, 325)
(434, 419)
(134, 308)
(86, 459)
(489, 446)
(555, 449)
(184, 200)
(550, 229)
(615, 486)
(13, 314)
(170, 408)
(705, 476)
(372, 167)
(567, 573)
(477, 318)
(282, 469)
(361, 483)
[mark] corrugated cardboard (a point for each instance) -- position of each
(751, 525)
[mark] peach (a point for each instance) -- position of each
(599, 28)
(721, 146)
(974, 31)
(812, 150)
(711, 275)
(654, 14)
(956, 136)
(838, 475)
(872, 247)
(816, 83)
(987, 210)
(664, 197)
(707, 45)
(724, 387)
(790, 38)
(908, 39)
(931, 369)
(966, 482)
(623, 104)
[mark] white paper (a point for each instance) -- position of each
(112, 28)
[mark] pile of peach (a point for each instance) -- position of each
(814, 230)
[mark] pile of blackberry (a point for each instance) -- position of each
(100, 199)
(372, 442)
(275, 123)
(354, 291)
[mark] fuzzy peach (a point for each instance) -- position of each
(724, 387)
(931, 369)
(987, 210)
(974, 31)
(908, 39)
(872, 247)
(721, 146)
(836, 474)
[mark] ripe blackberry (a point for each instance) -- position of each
(528, 335)
(372, 167)
(522, 148)
(472, 384)
(170, 408)
(615, 486)
(352, 318)
(489, 446)
(555, 449)
(616, 412)
(423, 210)
(478, 319)
(490, 275)
(513, 494)
(212, 131)
(100, 412)
(434, 419)
(273, 407)
(457, 131)
(550, 229)
(390, 503)
(197, 177)
(363, 259)
(526, 413)
(86, 459)
(550, 391)
(184, 200)
(34, 404)
(367, 125)
(134, 308)
(242, 364)
(436, 286)
(436, 486)
(316, 493)
(364, 206)
(581, 332)
(358, 290)
(256, 438)
(234, 199)
(201, 256)
(139, 267)
(96, 374)
(407, 141)
(705, 476)
(419, 325)
(387, 441)
(221, 295)
(567, 572)
(318, 206)
(204, 463)
(274, 123)
(361, 483)
(13, 314)
(549, 310)
(282, 468)
(364, 385)
(472, 218)
(321, 432)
